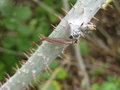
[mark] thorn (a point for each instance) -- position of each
(58, 17)
(35, 44)
(102, 8)
(32, 86)
(17, 67)
(6, 79)
(96, 19)
(14, 69)
(53, 26)
(22, 62)
(72, 5)
(31, 51)
(35, 79)
(42, 37)
(31, 54)
(7, 75)
(65, 12)
(93, 28)
(26, 54)
(48, 69)
(109, 5)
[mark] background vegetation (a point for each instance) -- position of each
(21, 23)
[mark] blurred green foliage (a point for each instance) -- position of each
(84, 49)
(112, 83)
(54, 85)
(20, 25)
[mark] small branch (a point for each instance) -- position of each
(85, 82)
(4, 50)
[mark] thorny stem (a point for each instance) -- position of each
(82, 11)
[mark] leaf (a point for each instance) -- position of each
(6, 7)
(23, 44)
(95, 86)
(24, 30)
(108, 86)
(62, 74)
(9, 60)
(2, 66)
(33, 23)
(22, 13)
(42, 29)
(8, 41)
(10, 23)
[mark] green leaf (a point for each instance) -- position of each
(9, 59)
(42, 29)
(23, 44)
(95, 86)
(24, 30)
(6, 7)
(2, 66)
(8, 41)
(22, 13)
(33, 23)
(49, 3)
(84, 47)
(10, 23)
(108, 86)
(62, 74)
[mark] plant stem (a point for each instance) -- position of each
(83, 11)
